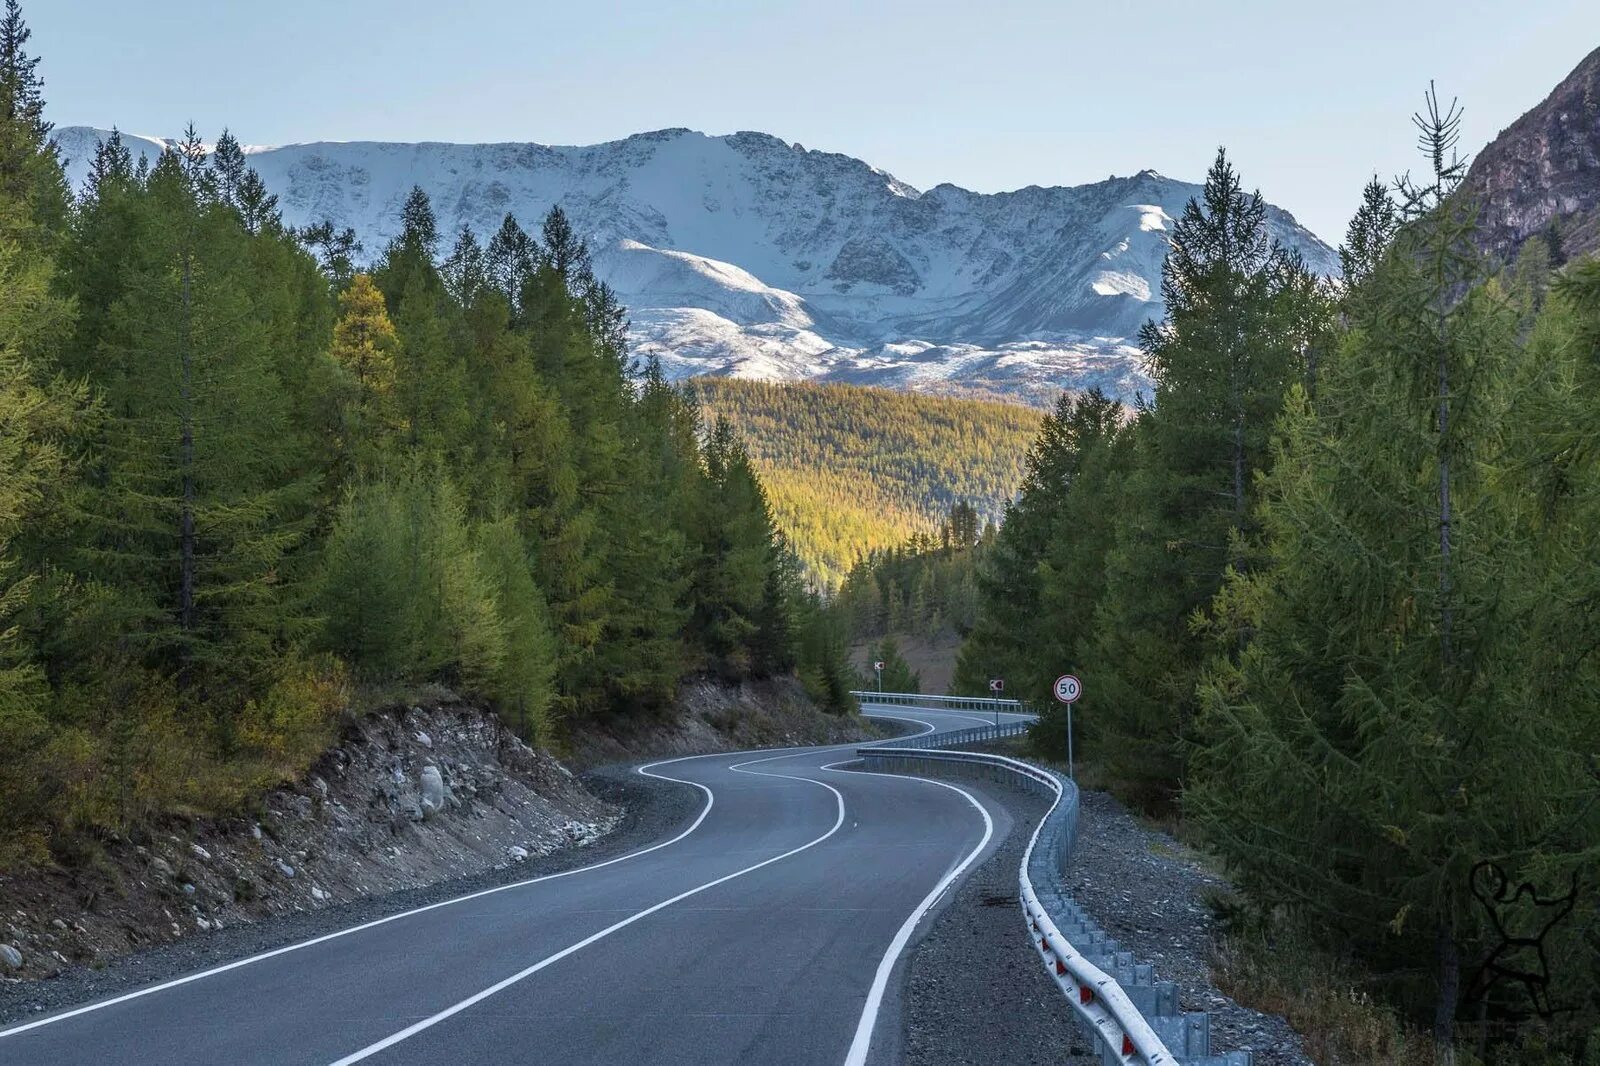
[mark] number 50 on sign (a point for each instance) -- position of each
(1068, 688)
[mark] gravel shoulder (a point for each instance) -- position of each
(975, 991)
(653, 809)
(1148, 890)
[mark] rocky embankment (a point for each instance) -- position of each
(408, 797)
(435, 793)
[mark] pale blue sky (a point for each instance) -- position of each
(1310, 98)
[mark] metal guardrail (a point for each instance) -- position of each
(1132, 1017)
(961, 736)
(940, 703)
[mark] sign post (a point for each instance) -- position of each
(878, 666)
(1067, 689)
(997, 685)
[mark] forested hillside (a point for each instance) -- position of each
(240, 481)
(851, 470)
(1332, 595)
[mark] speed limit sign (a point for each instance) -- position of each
(1068, 688)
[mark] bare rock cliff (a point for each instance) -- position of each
(1544, 167)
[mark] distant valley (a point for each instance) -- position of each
(851, 469)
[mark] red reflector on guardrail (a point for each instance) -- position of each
(1085, 994)
(1127, 1044)
(1061, 968)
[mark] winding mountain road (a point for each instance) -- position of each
(766, 931)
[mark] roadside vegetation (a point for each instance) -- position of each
(1331, 593)
(243, 480)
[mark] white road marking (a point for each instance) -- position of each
(500, 986)
(286, 949)
(862, 1044)
(928, 727)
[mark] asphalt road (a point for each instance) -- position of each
(767, 931)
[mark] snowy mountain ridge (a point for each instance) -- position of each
(746, 255)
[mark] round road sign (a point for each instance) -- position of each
(1068, 688)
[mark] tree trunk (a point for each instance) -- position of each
(1446, 590)
(1238, 471)
(1448, 961)
(186, 534)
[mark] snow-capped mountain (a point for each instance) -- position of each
(746, 255)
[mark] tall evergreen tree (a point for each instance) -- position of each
(511, 260)
(336, 250)
(465, 269)
(37, 415)
(30, 174)
(197, 497)
(1370, 231)
(1039, 586)
(1381, 733)
(1230, 345)
(566, 252)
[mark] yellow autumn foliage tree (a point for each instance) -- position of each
(364, 346)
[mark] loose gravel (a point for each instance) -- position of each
(975, 990)
(1148, 891)
(654, 810)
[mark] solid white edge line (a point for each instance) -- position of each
(862, 1043)
(287, 948)
(500, 986)
(163, 986)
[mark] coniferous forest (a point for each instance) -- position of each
(853, 470)
(246, 481)
(1331, 593)
(1333, 588)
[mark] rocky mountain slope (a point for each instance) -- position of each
(749, 256)
(1544, 167)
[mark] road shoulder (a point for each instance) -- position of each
(974, 991)
(653, 811)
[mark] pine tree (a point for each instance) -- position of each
(1380, 733)
(336, 251)
(719, 593)
(1039, 584)
(364, 346)
(1369, 233)
(196, 495)
(31, 182)
(419, 229)
(773, 647)
(464, 269)
(1555, 244)
(228, 160)
(37, 416)
(897, 675)
(1233, 340)
(510, 261)
(565, 252)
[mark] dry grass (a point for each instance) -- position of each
(1341, 1023)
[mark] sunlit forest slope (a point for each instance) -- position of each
(849, 469)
